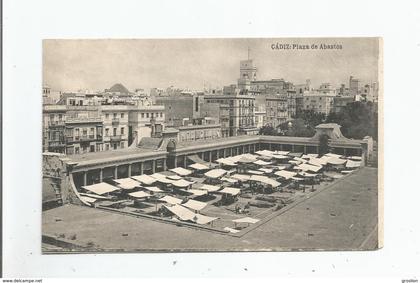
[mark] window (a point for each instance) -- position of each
(142, 115)
(84, 132)
(106, 116)
(115, 132)
(122, 115)
(122, 131)
(115, 115)
(152, 114)
(60, 117)
(107, 146)
(92, 131)
(122, 145)
(51, 117)
(107, 132)
(76, 132)
(161, 115)
(147, 115)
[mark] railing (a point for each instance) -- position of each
(116, 138)
(56, 123)
(115, 122)
(84, 120)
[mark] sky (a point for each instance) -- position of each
(193, 63)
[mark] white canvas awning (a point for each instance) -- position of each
(262, 163)
(144, 179)
(174, 177)
(355, 158)
(266, 170)
(336, 161)
(199, 166)
(231, 191)
(209, 188)
(171, 200)
(101, 188)
(318, 161)
(255, 172)
(187, 215)
(333, 155)
(353, 164)
(265, 180)
(229, 180)
(195, 205)
(300, 159)
(215, 173)
(94, 196)
(297, 179)
(295, 162)
(282, 152)
(161, 178)
(181, 212)
(139, 194)
(181, 171)
(246, 220)
(265, 152)
(226, 161)
(280, 156)
(308, 167)
(127, 183)
(307, 175)
(241, 177)
(182, 183)
(285, 174)
(153, 189)
(88, 199)
(203, 219)
(196, 192)
(347, 171)
(231, 230)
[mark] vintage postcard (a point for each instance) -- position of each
(245, 144)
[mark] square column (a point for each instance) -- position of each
(153, 166)
(129, 170)
(116, 172)
(101, 175)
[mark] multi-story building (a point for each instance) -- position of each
(53, 128)
(354, 86)
(276, 109)
(318, 102)
(145, 120)
(241, 112)
(247, 74)
(273, 86)
(177, 108)
(83, 134)
(115, 123)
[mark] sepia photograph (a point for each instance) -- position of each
(211, 145)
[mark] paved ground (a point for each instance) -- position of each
(341, 217)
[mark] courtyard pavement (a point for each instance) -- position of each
(343, 216)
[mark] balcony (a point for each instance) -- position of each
(53, 144)
(115, 122)
(82, 120)
(86, 138)
(116, 138)
(56, 123)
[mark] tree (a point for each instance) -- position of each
(299, 128)
(323, 144)
(357, 120)
(267, 130)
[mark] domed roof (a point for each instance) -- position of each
(118, 88)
